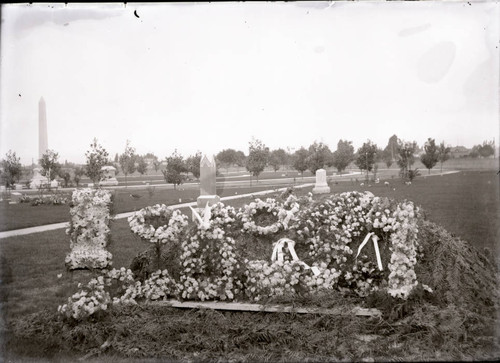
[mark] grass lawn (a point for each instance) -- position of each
(466, 204)
(23, 215)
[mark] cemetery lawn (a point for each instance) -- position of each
(466, 204)
(24, 215)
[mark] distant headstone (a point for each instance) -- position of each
(18, 186)
(38, 179)
(321, 186)
(108, 175)
(208, 179)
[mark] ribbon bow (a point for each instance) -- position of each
(204, 222)
(278, 254)
(375, 245)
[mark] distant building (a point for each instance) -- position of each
(459, 152)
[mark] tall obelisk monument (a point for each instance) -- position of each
(43, 143)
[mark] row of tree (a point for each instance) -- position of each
(175, 168)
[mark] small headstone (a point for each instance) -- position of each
(18, 186)
(321, 186)
(207, 182)
(108, 175)
(90, 185)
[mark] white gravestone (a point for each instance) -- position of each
(208, 179)
(108, 176)
(321, 185)
(38, 179)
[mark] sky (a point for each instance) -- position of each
(211, 76)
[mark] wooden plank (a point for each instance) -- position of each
(236, 306)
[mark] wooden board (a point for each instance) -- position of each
(235, 306)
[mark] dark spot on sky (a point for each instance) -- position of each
(136, 15)
(19, 95)
(66, 24)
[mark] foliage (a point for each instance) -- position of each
(227, 157)
(485, 150)
(430, 158)
(66, 176)
(319, 155)
(11, 169)
(387, 158)
(127, 160)
(299, 160)
(443, 154)
(258, 156)
(193, 164)
(175, 167)
(142, 166)
(240, 158)
(406, 158)
(277, 159)
(97, 157)
(156, 162)
(53, 199)
(50, 165)
(365, 156)
(78, 172)
(344, 155)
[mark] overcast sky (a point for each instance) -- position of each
(211, 76)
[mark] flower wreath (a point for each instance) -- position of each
(158, 223)
(269, 207)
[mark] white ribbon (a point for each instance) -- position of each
(278, 254)
(375, 245)
(207, 214)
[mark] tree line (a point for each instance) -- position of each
(175, 168)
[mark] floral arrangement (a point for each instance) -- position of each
(89, 229)
(158, 223)
(326, 233)
(54, 199)
(209, 261)
(268, 209)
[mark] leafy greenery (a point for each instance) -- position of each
(278, 158)
(406, 157)
(193, 164)
(344, 155)
(430, 158)
(50, 164)
(443, 154)
(127, 160)
(175, 167)
(299, 162)
(142, 166)
(365, 156)
(319, 155)
(11, 169)
(227, 157)
(258, 156)
(97, 157)
(78, 172)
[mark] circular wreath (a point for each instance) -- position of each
(268, 208)
(158, 223)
